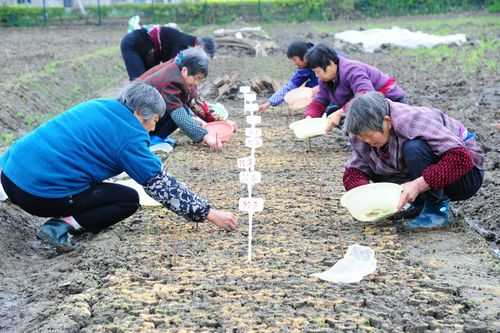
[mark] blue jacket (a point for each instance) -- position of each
(300, 76)
(87, 144)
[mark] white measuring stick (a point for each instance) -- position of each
(250, 231)
(254, 142)
(250, 97)
(254, 120)
(251, 205)
(246, 163)
(250, 108)
(253, 132)
(250, 177)
(245, 89)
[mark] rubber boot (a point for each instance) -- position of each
(409, 213)
(434, 215)
(57, 233)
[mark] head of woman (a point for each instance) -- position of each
(368, 118)
(145, 102)
(193, 64)
(323, 61)
(208, 44)
(296, 52)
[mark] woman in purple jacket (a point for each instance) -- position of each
(341, 79)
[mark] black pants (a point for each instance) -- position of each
(137, 52)
(165, 126)
(418, 155)
(95, 209)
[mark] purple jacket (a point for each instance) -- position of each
(353, 77)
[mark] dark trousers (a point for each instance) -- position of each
(97, 208)
(137, 53)
(418, 155)
(165, 126)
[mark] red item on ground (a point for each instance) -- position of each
(223, 129)
(205, 114)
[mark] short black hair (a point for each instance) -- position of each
(321, 56)
(298, 49)
(209, 46)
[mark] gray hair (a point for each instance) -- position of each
(366, 113)
(143, 98)
(194, 59)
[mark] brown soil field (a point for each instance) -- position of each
(154, 272)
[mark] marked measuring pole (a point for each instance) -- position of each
(251, 205)
(250, 177)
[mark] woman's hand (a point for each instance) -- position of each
(334, 120)
(224, 220)
(411, 190)
(233, 125)
(213, 142)
(264, 106)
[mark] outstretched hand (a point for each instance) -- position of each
(334, 120)
(264, 106)
(411, 190)
(222, 219)
(213, 142)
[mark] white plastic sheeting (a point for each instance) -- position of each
(373, 39)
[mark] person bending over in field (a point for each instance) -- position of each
(145, 48)
(58, 169)
(433, 156)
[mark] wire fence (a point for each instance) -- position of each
(44, 12)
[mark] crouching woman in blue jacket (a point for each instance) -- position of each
(58, 170)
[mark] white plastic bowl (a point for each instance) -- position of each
(309, 127)
(372, 202)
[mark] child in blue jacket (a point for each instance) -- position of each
(295, 53)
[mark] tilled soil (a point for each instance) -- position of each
(155, 273)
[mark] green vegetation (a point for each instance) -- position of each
(494, 7)
(225, 11)
(56, 87)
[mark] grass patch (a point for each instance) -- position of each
(33, 98)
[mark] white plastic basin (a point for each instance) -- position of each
(309, 127)
(372, 202)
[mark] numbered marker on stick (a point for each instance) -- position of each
(245, 89)
(246, 162)
(253, 132)
(254, 120)
(250, 177)
(251, 107)
(250, 97)
(253, 142)
(251, 205)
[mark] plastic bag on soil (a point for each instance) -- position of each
(358, 262)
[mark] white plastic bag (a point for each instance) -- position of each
(358, 262)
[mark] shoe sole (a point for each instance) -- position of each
(59, 248)
(403, 229)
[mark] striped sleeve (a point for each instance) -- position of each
(188, 125)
